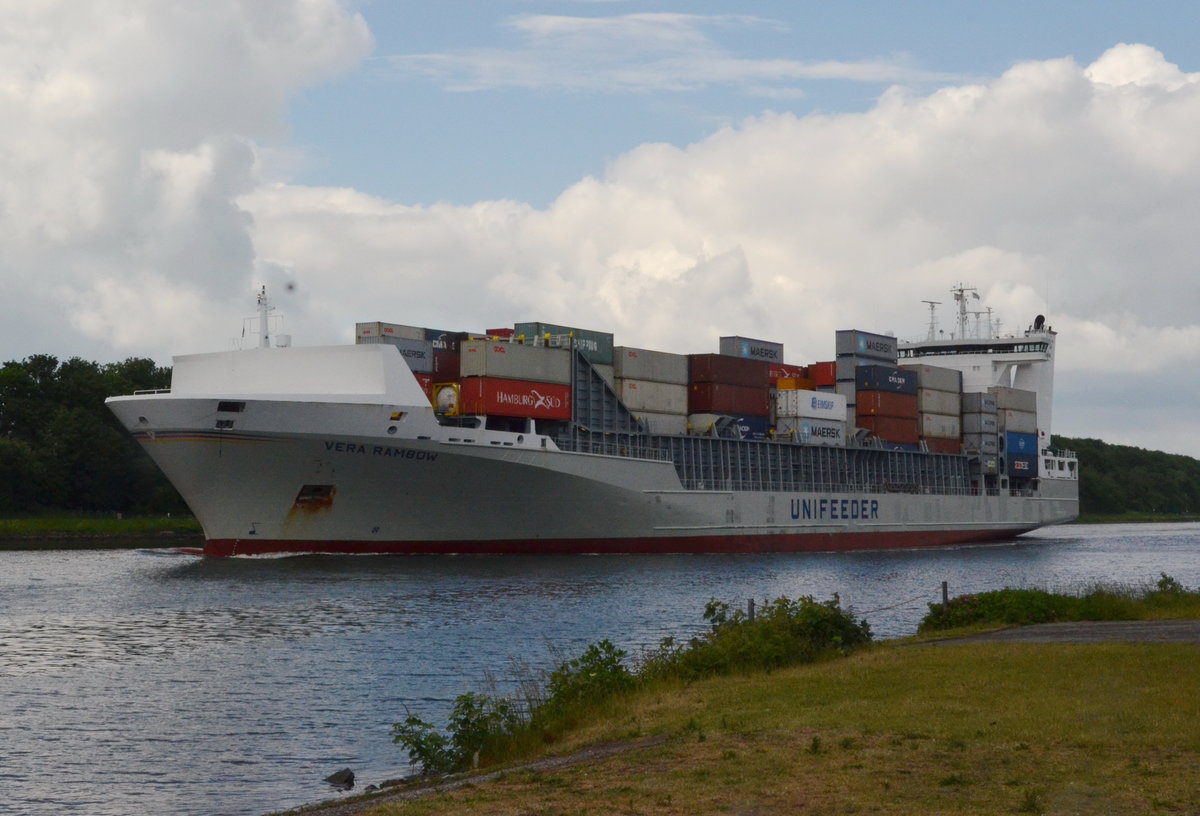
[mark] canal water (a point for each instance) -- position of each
(144, 681)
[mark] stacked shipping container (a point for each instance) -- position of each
(1016, 417)
(654, 386)
(723, 385)
(887, 404)
(939, 407)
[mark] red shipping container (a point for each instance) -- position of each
(426, 381)
(892, 429)
(729, 370)
(504, 334)
(887, 404)
(516, 398)
(777, 370)
(446, 366)
(823, 374)
(721, 398)
(938, 445)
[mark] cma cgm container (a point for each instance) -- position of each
(597, 347)
(885, 378)
(854, 343)
(654, 366)
(487, 358)
(514, 398)
(722, 398)
(721, 368)
(754, 349)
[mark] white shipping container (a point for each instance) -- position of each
(377, 329)
(939, 402)
(811, 431)
(810, 404)
(656, 397)
(937, 379)
(487, 358)
(940, 426)
(988, 444)
(1017, 421)
(980, 423)
(1014, 399)
(663, 423)
(654, 366)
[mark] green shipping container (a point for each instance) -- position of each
(597, 347)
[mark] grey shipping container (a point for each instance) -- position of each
(754, 349)
(646, 395)
(417, 353)
(852, 342)
(940, 426)
(1017, 421)
(489, 358)
(846, 367)
(1014, 399)
(938, 402)
(597, 347)
(978, 403)
(981, 443)
(655, 366)
(980, 423)
(937, 379)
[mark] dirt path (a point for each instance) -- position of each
(1159, 631)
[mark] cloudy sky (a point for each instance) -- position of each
(667, 171)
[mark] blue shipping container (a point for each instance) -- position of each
(1020, 443)
(885, 378)
(1022, 464)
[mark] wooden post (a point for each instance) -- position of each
(750, 608)
(945, 595)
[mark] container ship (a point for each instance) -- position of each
(543, 438)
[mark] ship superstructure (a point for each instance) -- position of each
(545, 438)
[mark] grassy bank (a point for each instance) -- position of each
(975, 729)
(95, 531)
(1136, 518)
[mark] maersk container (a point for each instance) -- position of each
(811, 405)
(722, 398)
(980, 423)
(982, 443)
(654, 366)
(1022, 464)
(885, 378)
(721, 368)
(656, 397)
(940, 426)
(1014, 399)
(753, 349)
(1018, 421)
(886, 403)
(515, 398)
(663, 423)
(486, 358)
(811, 431)
(936, 378)
(417, 353)
(938, 402)
(1020, 443)
(378, 329)
(978, 403)
(851, 342)
(597, 347)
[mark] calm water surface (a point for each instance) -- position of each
(141, 681)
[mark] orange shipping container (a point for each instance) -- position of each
(887, 404)
(936, 445)
(795, 384)
(892, 429)
(823, 374)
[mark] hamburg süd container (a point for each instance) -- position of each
(1014, 399)
(938, 402)
(656, 397)
(597, 347)
(653, 366)
(754, 349)
(488, 358)
(722, 368)
(722, 398)
(514, 398)
(810, 404)
(851, 342)
(886, 403)
(936, 378)
(885, 378)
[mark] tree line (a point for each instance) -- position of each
(62, 450)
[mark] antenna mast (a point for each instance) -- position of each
(264, 310)
(933, 304)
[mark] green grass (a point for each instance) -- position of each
(893, 729)
(88, 531)
(1136, 518)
